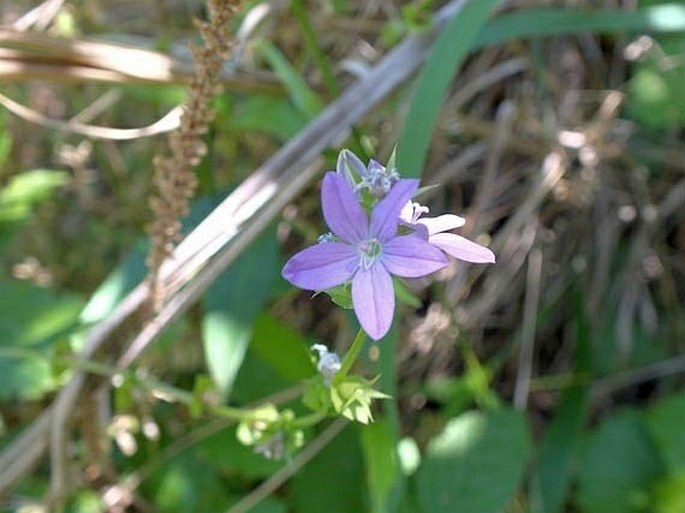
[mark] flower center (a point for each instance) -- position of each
(368, 251)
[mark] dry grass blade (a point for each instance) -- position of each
(32, 56)
(167, 123)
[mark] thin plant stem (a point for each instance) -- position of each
(308, 420)
(352, 355)
(315, 47)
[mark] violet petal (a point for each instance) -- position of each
(385, 215)
(462, 248)
(374, 300)
(322, 266)
(411, 257)
(341, 209)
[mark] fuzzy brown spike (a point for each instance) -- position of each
(174, 179)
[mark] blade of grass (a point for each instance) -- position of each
(314, 47)
(549, 22)
(453, 44)
(306, 100)
(561, 442)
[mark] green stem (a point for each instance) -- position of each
(312, 43)
(230, 413)
(308, 420)
(352, 355)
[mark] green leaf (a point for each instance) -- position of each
(226, 455)
(341, 296)
(669, 495)
(382, 463)
(282, 348)
(231, 307)
(404, 295)
(619, 466)
(665, 421)
(256, 379)
(561, 444)
(26, 190)
(334, 480)
(475, 464)
(187, 484)
(558, 449)
(225, 338)
(452, 45)
(114, 288)
(31, 320)
(530, 23)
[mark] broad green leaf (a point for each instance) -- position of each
(452, 45)
(334, 480)
(666, 421)
(475, 464)
(231, 307)
(257, 379)
(31, 320)
(619, 466)
(187, 484)
(225, 454)
(282, 348)
(26, 190)
(115, 287)
(225, 337)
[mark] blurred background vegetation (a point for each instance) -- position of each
(551, 382)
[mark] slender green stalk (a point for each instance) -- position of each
(352, 355)
(308, 420)
(313, 44)
(323, 65)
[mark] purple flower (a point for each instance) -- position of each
(432, 229)
(367, 252)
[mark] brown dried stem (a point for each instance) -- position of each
(174, 179)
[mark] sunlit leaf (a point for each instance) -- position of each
(619, 466)
(475, 464)
(32, 319)
(231, 307)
